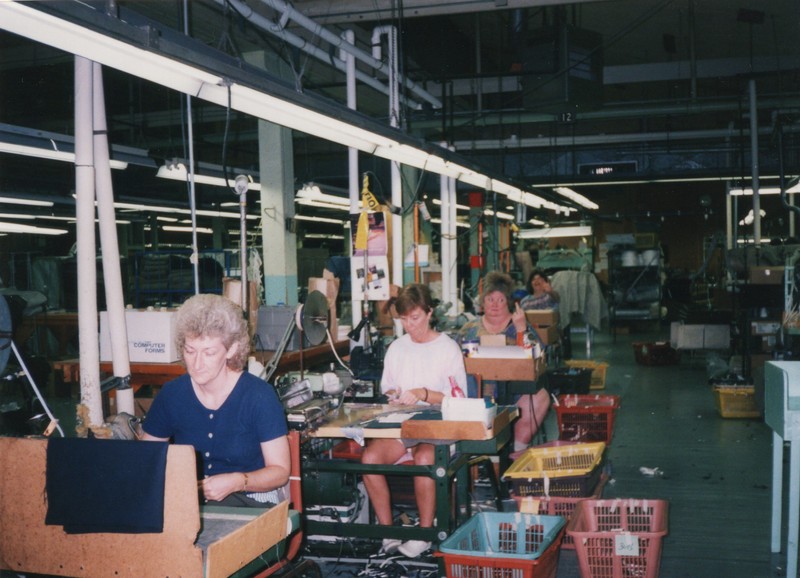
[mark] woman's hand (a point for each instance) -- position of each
(410, 396)
(519, 319)
(219, 487)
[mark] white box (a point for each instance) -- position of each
(151, 336)
(700, 336)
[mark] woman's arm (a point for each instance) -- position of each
(272, 476)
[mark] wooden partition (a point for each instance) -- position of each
(28, 545)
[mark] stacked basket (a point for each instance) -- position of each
(552, 479)
(586, 418)
(504, 544)
(618, 538)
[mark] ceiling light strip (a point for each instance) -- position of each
(79, 29)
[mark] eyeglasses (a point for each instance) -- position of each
(495, 300)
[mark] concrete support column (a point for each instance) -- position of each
(276, 166)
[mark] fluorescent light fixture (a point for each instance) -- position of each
(739, 191)
(17, 228)
(177, 171)
(460, 207)
(322, 205)
(16, 216)
(536, 222)
(56, 218)
(78, 28)
(458, 223)
(576, 197)
(318, 219)
(166, 219)
(52, 154)
(500, 215)
(314, 193)
(24, 201)
(174, 210)
(177, 229)
(556, 232)
(322, 236)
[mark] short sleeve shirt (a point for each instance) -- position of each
(227, 439)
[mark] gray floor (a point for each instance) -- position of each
(716, 472)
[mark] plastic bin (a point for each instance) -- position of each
(567, 471)
(598, 368)
(736, 401)
(492, 544)
(618, 538)
(570, 380)
(586, 418)
(557, 506)
(657, 353)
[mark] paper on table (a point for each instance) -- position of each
(397, 417)
(504, 352)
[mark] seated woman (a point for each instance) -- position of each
(233, 419)
(501, 316)
(417, 370)
(542, 295)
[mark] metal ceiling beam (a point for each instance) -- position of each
(359, 11)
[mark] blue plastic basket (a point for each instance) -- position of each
(505, 535)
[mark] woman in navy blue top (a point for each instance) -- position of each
(233, 419)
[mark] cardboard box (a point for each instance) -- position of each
(271, 326)
(548, 335)
(151, 336)
(684, 336)
(716, 336)
(765, 327)
(493, 340)
(766, 275)
(502, 369)
(542, 316)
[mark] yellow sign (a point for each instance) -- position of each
(368, 203)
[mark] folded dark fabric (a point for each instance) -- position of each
(96, 485)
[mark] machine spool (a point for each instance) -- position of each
(313, 316)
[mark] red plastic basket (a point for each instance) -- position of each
(658, 353)
(586, 418)
(558, 506)
(618, 538)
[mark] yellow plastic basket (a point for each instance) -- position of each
(598, 370)
(564, 470)
(736, 401)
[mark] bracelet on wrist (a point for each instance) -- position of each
(244, 485)
(425, 389)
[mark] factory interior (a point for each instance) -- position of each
(310, 160)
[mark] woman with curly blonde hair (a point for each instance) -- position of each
(234, 420)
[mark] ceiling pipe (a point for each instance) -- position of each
(288, 12)
(298, 42)
(615, 111)
(600, 139)
(368, 10)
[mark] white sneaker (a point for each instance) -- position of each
(390, 545)
(413, 548)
